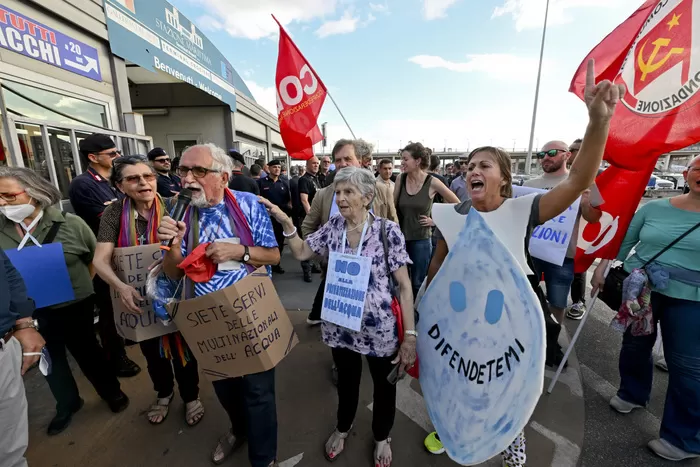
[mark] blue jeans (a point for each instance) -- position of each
(558, 280)
(420, 252)
(680, 325)
(252, 409)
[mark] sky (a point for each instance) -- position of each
(450, 73)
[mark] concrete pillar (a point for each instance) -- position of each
(121, 89)
(666, 162)
(229, 128)
(268, 143)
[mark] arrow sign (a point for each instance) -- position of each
(91, 65)
(292, 461)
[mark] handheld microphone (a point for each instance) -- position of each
(183, 200)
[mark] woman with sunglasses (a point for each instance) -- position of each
(28, 219)
(131, 222)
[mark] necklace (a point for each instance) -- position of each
(359, 225)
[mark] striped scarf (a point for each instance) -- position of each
(128, 236)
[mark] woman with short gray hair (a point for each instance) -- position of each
(28, 219)
(358, 238)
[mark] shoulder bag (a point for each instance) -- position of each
(394, 289)
(611, 294)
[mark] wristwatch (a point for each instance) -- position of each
(412, 333)
(246, 254)
(34, 324)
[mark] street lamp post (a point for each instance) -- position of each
(528, 159)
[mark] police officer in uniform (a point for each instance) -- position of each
(277, 191)
(90, 193)
(239, 180)
(168, 183)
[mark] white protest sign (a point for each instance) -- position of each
(131, 264)
(481, 346)
(550, 240)
(347, 280)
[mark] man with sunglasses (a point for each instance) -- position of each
(558, 279)
(168, 184)
(90, 193)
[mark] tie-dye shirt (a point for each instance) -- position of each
(378, 336)
(215, 222)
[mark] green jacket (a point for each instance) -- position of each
(78, 246)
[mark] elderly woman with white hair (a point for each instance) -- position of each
(360, 234)
(28, 219)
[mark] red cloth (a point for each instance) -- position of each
(396, 310)
(197, 266)
(651, 54)
(300, 97)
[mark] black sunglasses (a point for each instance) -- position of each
(550, 153)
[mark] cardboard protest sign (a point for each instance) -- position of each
(550, 240)
(237, 331)
(131, 264)
(39, 266)
(481, 344)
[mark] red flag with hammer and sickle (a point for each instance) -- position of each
(300, 96)
(653, 55)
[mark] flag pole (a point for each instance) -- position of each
(589, 310)
(528, 159)
(314, 71)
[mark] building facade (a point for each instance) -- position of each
(61, 78)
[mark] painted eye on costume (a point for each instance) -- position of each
(494, 302)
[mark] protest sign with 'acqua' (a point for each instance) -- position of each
(236, 331)
(131, 264)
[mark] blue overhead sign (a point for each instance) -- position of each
(23, 35)
(154, 35)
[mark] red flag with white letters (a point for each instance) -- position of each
(300, 96)
(651, 53)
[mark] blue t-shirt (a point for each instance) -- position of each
(215, 222)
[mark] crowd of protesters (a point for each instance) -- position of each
(336, 203)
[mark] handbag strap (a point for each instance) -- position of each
(670, 245)
(385, 243)
(51, 235)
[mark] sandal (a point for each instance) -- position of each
(382, 453)
(225, 447)
(159, 409)
(335, 445)
(194, 411)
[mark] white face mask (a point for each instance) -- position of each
(17, 213)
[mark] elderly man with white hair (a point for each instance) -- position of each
(215, 213)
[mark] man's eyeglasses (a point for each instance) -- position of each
(137, 178)
(162, 161)
(550, 153)
(197, 172)
(11, 196)
(112, 154)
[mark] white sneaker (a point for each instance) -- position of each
(623, 406)
(666, 450)
(576, 311)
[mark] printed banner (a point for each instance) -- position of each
(131, 264)
(237, 331)
(23, 35)
(481, 346)
(347, 280)
(550, 240)
(40, 266)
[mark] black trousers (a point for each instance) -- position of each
(161, 370)
(349, 366)
(279, 235)
(578, 288)
(251, 406)
(72, 327)
(112, 342)
(318, 300)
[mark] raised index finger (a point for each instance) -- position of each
(590, 74)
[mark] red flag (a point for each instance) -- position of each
(300, 96)
(652, 54)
